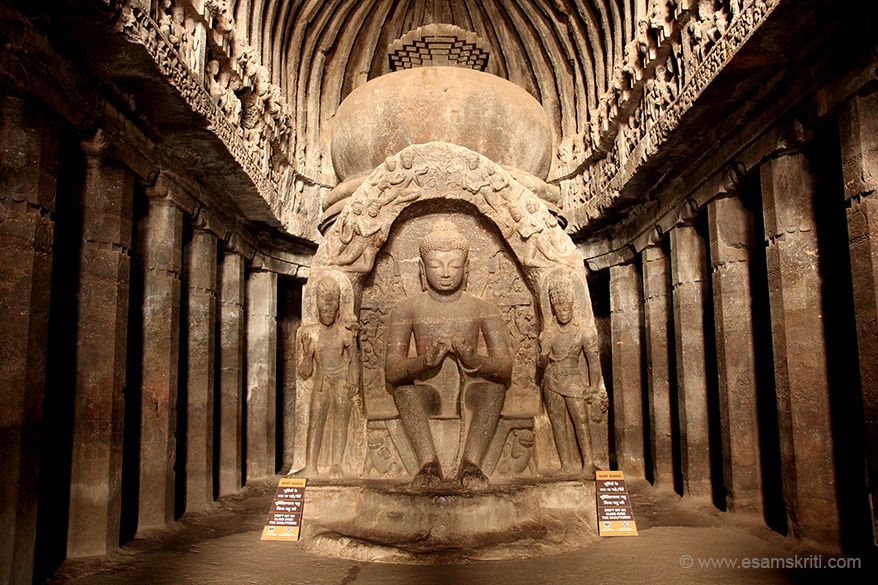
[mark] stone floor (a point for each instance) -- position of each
(222, 547)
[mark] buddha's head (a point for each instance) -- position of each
(444, 254)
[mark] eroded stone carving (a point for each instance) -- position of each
(327, 356)
(571, 392)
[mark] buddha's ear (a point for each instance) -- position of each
(423, 272)
(465, 274)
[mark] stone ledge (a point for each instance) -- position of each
(372, 521)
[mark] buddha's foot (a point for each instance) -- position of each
(471, 476)
(430, 476)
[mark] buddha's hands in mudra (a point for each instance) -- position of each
(466, 354)
(437, 352)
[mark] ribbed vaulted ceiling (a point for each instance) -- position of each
(563, 52)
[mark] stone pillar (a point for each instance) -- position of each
(231, 371)
(626, 329)
(656, 316)
(28, 170)
(200, 269)
(105, 203)
(689, 282)
(858, 121)
(261, 373)
(288, 327)
(731, 243)
(160, 254)
(805, 429)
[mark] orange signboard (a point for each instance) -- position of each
(285, 517)
(615, 516)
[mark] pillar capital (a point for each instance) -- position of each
(623, 255)
(792, 137)
(238, 245)
(206, 220)
(95, 148)
(651, 239)
(685, 214)
(858, 130)
(167, 190)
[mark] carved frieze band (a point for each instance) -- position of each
(256, 134)
(678, 54)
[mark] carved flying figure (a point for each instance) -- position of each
(491, 192)
(569, 395)
(395, 184)
(358, 233)
(446, 322)
(544, 247)
(327, 353)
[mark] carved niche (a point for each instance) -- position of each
(515, 245)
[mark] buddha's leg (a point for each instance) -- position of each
(487, 401)
(413, 402)
(579, 415)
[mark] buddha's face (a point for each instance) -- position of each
(327, 307)
(444, 271)
(563, 311)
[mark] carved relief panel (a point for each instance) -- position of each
(443, 257)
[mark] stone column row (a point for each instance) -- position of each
(217, 294)
(166, 264)
(103, 200)
(795, 298)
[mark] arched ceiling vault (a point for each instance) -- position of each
(563, 52)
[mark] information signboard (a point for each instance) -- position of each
(285, 517)
(615, 516)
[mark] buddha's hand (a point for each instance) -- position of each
(437, 352)
(465, 353)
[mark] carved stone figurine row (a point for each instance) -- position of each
(668, 58)
(445, 322)
(361, 233)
